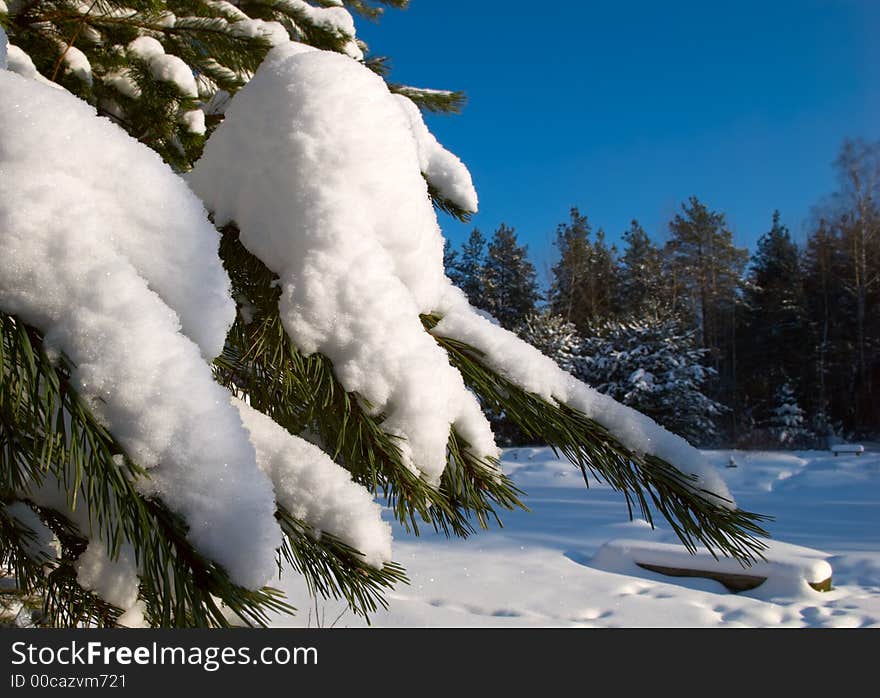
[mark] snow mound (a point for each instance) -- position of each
(786, 569)
(113, 258)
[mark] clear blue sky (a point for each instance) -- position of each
(625, 109)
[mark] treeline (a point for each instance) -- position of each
(780, 347)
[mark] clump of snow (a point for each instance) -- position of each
(316, 490)
(117, 12)
(165, 67)
(194, 120)
(17, 61)
(115, 260)
(341, 212)
(444, 170)
(273, 32)
(335, 20)
(41, 544)
(114, 580)
(227, 8)
(76, 63)
(123, 83)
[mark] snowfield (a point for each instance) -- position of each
(542, 568)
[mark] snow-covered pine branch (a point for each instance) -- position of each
(342, 216)
(348, 332)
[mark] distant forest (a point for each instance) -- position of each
(780, 347)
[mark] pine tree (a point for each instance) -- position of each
(511, 287)
(707, 268)
(709, 265)
(136, 63)
(450, 262)
(787, 421)
(656, 367)
(567, 298)
(775, 337)
(604, 278)
(644, 286)
(469, 271)
(584, 287)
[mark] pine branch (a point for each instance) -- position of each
(372, 9)
(49, 431)
(448, 206)
(645, 481)
(335, 570)
(437, 101)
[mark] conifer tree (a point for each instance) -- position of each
(644, 286)
(511, 287)
(702, 250)
(708, 269)
(776, 337)
(787, 421)
(81, 499)
(830, 317)
(450, 262)
(567, 297)
(469, 270)
(856, 208)
(584, 287)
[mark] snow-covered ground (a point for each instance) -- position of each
(541, 569)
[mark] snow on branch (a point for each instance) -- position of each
(116, 263)
(318, 165)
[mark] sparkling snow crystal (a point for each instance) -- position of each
(113, 258)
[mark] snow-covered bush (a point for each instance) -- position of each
(656, 367)
(788, 422)
(553, 336)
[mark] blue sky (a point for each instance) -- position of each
(625, 109)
